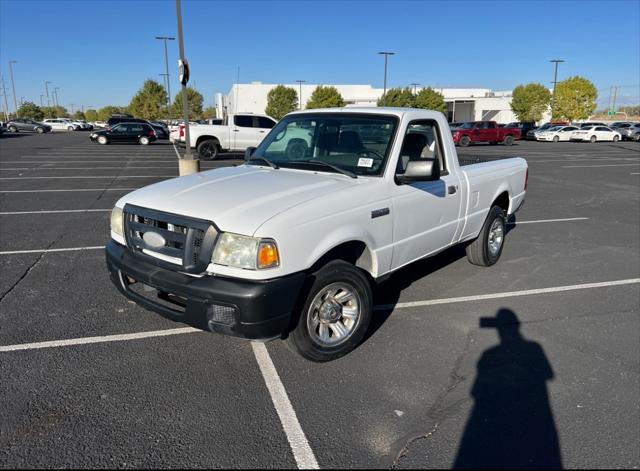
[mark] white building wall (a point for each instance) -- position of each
(471, 104)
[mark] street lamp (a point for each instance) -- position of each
(55, 92)
(166, 66)
(555, 80)
(46, 87)
(414, 85)
(13, 86)
(300, 95)
(386, 55)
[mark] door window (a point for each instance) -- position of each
(243, 121)
(265, 123)
(135, 128)
(422, 141)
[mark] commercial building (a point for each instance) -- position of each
(463, 104)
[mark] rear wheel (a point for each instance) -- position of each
(487, 248)
(556, 138)
(336, 314)
(593, 139)
(209, 149)
(465, 141)
(508, 140)
(102, 140)
(144, 140)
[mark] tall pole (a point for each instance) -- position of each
(13, 85)
(414, 85)
(186, 164)
(300, 95)
(166, 67)
(72, 105)
(386, 55)
(41, 95)
(55, 91)
(46, 87)
(555, 80)
(4, 92)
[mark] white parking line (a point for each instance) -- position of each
(56, 211)
(81, 189)
(596, 166)
(546, 220)
(86, 176)
(510, 294)
(302, 452)
(68, 249)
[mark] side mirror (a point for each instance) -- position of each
(249, 152)
(424, 170)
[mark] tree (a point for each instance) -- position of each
(530, 101)
(105, 113)
(91, 115)
(194, 99)
(429, 99)
(29, 109)
(575, 99)
(280, 101)
(402, 97)
(209, 112)
(325, 97)
(54, 111)
(150, 101)
(79, 115)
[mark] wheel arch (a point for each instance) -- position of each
(354, 251)
(206, 137)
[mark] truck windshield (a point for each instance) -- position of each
(352, 142)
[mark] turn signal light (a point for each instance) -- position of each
(268, 256)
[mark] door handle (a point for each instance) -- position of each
(236, 130)
(452, 189)
(261, 132)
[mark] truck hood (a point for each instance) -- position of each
(238, 199)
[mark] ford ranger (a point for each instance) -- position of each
(292, 243)
(484, 131)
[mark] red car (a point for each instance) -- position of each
(484, 131)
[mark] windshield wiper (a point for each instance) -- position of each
(325, 164)
(267, 161)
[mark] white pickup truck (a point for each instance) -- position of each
(292, 243)
(240, 132)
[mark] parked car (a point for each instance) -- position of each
(246, 130)
(26, 124)
(84, 125)
(99, 124)
(284, 247)
(484, 131)
(161, 131)
(586, 125)
(142, 133)
(123, 119)
(635, 132)
(556, 133)
(531, 133)
(523, 126)
(626, 130)
(61, 124)
(595, 133)
(617, 124)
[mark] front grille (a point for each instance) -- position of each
(170, 240)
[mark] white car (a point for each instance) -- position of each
(61, 124)
(285, 246)
(100, 124)
(595, 133)
(555, 134)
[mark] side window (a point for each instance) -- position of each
(422, 141)
(119, 128)
(135, 128)
(243, 121)
(602, 128)
(265, 123)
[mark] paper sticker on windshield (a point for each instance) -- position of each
(363, 162)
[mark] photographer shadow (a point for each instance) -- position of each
(511, 424)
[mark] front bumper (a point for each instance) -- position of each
(241, 308)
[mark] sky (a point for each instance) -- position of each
(100, 52)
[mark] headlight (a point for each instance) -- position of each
(240, 251)
(117, 220)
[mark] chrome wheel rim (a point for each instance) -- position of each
(102, 140)
(334, 314)
(496, 236)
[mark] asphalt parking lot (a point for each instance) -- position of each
(534, 360)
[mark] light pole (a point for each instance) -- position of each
(41, 95)
(72, 105)
(187, 164)
(386, 55)
(166, 66)
(46, 87)
(13, 85)
(555, 80)
(55, 92)
(414, 85)
(300, 95)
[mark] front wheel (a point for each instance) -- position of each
(593, 139)
(39, 130)
(102, 140)
(71, 128)
(336, 314)
(556, 139)
(465, 141)
(508, 141)
(13, 129)
(487, 248)
(144, 140)
(616, 138)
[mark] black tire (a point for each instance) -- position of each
(479, 251)
(209, 149)
(465, 141)
(508, 140)
(39, 130)
(305, 342)
(616, 138)
(556, 139)
(593, 139)
(13, 129)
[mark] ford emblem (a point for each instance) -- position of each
(153, 239)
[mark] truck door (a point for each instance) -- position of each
(242, 132)
(426, 214)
